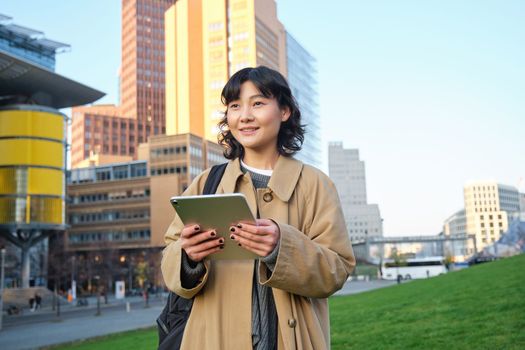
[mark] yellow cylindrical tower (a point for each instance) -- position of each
(32, 165)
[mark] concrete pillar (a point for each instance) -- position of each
(25, 266)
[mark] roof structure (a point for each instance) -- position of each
(31, 83)
(29, 38)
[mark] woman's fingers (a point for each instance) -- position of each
(255, 237)
(203, 254)
(203, 249)
(198, 238)
(260, 249)
(189, 231)
(208, 245)
(256, 243)
(260, 239)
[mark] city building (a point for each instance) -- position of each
(119, 212)
(488, 209)
(347, 171)
(302, 77)
(117, 130)
(456, 224)
(33, 141)
(207, 41)
(100, 132)
(29, 44)
(456, 227)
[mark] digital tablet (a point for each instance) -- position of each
(219, 212)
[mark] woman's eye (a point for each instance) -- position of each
(258, 103)
(234, 105)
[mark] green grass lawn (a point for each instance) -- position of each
(482, 307)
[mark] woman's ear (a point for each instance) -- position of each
(285, 114)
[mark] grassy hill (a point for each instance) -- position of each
(482, 307)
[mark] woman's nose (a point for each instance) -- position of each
(246, 114)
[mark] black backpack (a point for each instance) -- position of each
(172, 320)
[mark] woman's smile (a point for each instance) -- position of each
(248, 130)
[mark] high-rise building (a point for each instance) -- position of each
(141, 112)
(347, 171)
(301, 68)
(488, 207)
(207, 41)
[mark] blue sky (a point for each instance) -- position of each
(432, 93)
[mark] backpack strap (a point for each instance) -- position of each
(214, 178)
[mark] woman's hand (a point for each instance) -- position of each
(260, 239)
(199, 244)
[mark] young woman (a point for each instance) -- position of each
(278, 301)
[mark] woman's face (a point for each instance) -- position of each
(254, 119)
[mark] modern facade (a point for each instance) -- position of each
(29, 44)
(347, 171)
(141, 111)
(119, 212)
(302, 77)
(456, 224)
(488, 208)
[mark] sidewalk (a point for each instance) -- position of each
(67, 307)
(354, 287)
(36, 335)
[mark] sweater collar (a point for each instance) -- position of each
(283, 181)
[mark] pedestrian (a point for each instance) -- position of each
(280, 300)
(32, 304)
(105, 295)
(38, 301)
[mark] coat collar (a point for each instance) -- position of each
(283, 181)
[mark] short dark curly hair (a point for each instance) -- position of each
(272, 85)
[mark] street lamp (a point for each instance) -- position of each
(123, 259)
(2, 260)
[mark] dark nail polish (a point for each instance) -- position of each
(239, 225)
(213, 233)
(239, 245)
(232, 237)
(196, 228)
(221, 247)
(232, 229)
(221, 241)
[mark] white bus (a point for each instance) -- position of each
(412, 268)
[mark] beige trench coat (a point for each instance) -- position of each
(314, 261)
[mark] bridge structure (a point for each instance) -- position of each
(375, 249)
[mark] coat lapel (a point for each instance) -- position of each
(285, 176)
